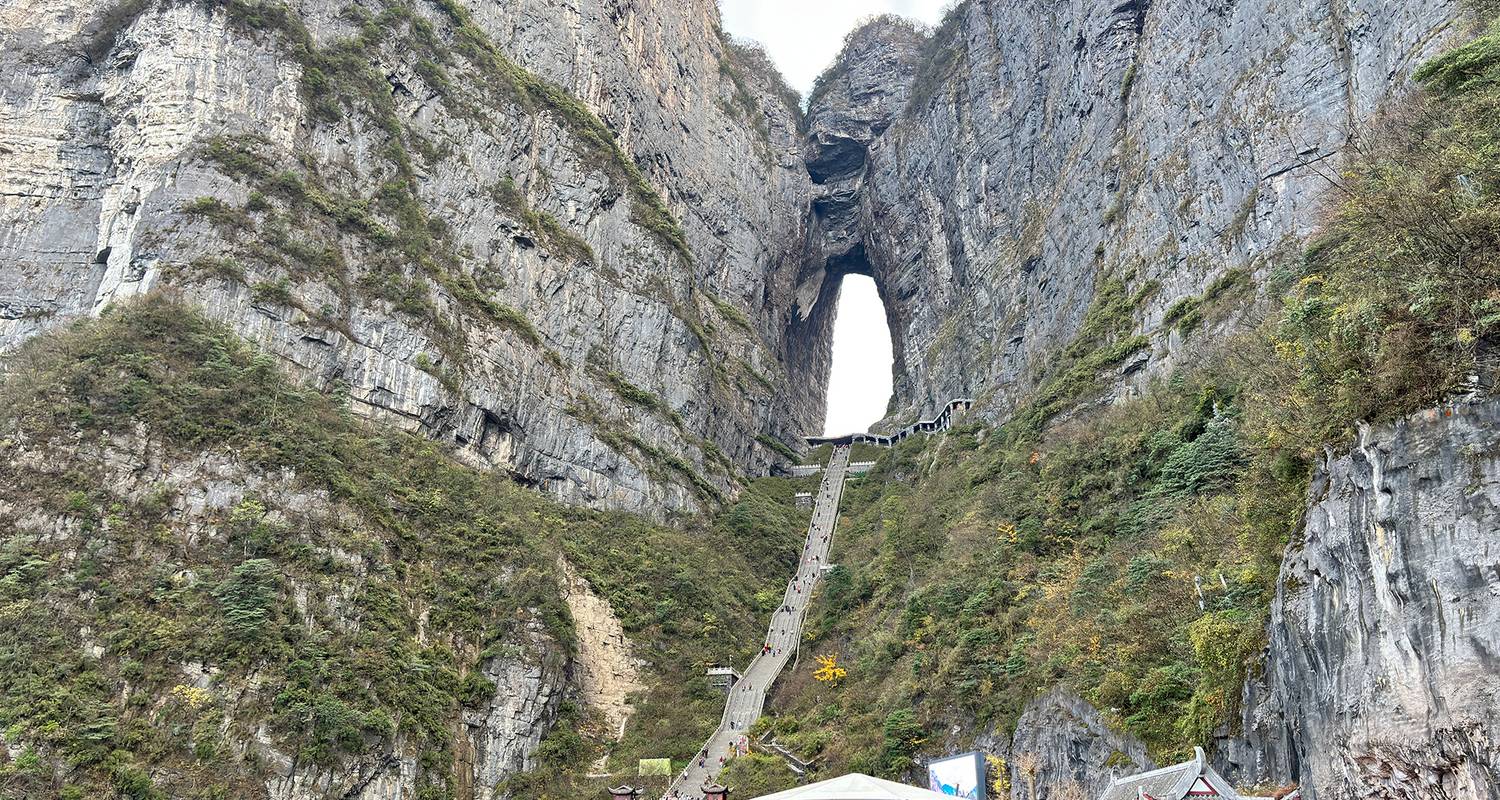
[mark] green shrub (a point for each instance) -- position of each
(246, 597)
(901, 736)
(1474, 65)
(633, 394)
(777, 446)
(755, 775)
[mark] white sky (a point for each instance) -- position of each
(803, 37)
(860, 384)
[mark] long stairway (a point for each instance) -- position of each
(748, 697)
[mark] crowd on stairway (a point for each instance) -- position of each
(747, 697)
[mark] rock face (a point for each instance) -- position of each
(591, 244)
(388, 200)
(852, 105)
(504, 737)
(496, 742)
(606, 668)
(1064, 749)
(1382, 673)
(1039, 152)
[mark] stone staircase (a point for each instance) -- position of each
(748, 697)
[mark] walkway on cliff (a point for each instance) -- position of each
(942, 422)
(748, 697)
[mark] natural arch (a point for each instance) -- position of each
(859, 378)
(810, 337)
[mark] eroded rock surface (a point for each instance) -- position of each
(606, 669)
(460, 247)
(1382, 677)
(1043, 151)
(1063, 747)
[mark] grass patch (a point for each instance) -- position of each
(777, 446)
(729, 312)
(633, 394)
(551, 233)
(1101, 343)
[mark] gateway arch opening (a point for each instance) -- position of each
(859, 381)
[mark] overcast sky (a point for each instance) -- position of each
(803, 37)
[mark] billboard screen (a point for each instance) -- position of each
(958, 776)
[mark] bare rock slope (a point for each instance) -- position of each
(1380, 675)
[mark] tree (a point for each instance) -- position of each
(829, 670)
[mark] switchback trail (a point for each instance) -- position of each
(748, 697)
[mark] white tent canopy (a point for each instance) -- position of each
(856, 787)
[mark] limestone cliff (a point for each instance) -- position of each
(1380, 675)
(1026, 156)
(596, 245)
(1062, 747)
(408, 201)
(591, 244)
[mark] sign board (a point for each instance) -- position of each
(656, 766)
(958, 776)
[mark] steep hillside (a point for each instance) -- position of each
(216, 583)
(1256, 551)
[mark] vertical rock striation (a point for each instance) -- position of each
(1042, 152)
(1382, 671)
(852, 105)
(1062, 747)
(391, 200)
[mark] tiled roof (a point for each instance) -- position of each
(1168, 783)
(1171, 783)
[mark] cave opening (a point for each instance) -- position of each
(859, 381)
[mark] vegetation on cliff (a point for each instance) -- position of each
(1131, 551)
(201, 554)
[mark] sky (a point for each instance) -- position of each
(803, 37)
(860, 384)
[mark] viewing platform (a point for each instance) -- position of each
(942, 422)
(722, 677)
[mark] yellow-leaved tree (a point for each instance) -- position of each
(828, 670)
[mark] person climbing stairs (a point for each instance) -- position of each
(747, 698)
